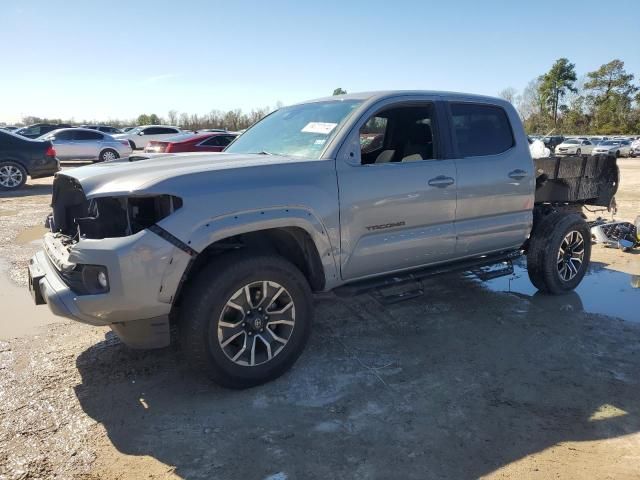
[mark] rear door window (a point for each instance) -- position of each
(480, 130)
(212, 141)
(81, 135)
(66, 135)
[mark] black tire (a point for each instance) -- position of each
(108, 152)
(132, 145)
(578, 152)
(205, 302)
(618, 154)
(544, 247)
(12, 176)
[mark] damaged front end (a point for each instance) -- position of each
(106, 262)
(77, 217)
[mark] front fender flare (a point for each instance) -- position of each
(237, 223)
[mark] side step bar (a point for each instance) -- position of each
(478, 266)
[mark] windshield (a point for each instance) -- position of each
(298, 131)
(572, 142)
(609, 142)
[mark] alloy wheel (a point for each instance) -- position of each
(10, 176)
(570, 255)
(256, 323)
(109, 155)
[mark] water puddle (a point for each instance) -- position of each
(31, 234)
(20, 316)
(603, 291)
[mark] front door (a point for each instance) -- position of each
(64, 144)
(397, 195)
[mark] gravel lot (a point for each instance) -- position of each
(467, 381)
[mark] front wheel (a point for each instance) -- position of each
(578, 152)
(559, 253)
(246, 319)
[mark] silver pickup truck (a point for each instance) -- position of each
(345, 193)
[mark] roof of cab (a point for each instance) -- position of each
(384, 94)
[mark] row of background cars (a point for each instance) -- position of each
(592, 145)
(36, 151)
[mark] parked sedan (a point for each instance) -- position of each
(207, 142)
(21, 157)
(575, 146)
(139, 137)
(635, 148)
(86, 144)
(619, 148)
(103, 128)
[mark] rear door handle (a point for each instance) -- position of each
(518, 174)
(441, 181)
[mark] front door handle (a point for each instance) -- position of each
(518, 174)
(441, 181)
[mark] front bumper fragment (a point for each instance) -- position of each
(47, 286)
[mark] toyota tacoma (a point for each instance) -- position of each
(346, 193)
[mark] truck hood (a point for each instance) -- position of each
(122, 176)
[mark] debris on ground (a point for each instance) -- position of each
(622, 235)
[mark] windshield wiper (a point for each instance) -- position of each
(264, 152)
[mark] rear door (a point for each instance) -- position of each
(397, 192)
(495, 178)
(87, 144)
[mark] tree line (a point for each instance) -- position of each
(604, 101)
(232, 119)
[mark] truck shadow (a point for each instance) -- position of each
(455, 384)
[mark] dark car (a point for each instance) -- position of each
(38, 129)
(21, 157)
(103, 128)
(207, 142)
(551, 142)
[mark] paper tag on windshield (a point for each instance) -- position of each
(319, 127)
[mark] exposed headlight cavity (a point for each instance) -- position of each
(123, 216)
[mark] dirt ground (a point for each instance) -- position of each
(471, 380)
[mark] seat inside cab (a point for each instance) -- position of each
(402, 134)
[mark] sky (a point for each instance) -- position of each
(104, 60)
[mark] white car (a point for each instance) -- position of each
(575, 146)
(139, 137)
(635, 148)
(619, 148)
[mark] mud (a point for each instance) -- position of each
(31, 234)
(469, 380)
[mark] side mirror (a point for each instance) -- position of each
(140, 133)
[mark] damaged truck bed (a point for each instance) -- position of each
(591, 180)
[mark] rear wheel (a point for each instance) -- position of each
(578, 152)
(132, 145)
(12, 176)
(108, 154)
(246, 319)
(559, 253)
